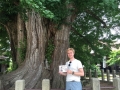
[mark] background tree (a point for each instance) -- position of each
(114, 57)
(39, 31)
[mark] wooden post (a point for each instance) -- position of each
(114, 73)
(96, 74)
(108, 75)
(84, 72)
(1, 86)
(90, 75)
(119, 73)
(102, 74)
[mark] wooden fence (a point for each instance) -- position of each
(101, 75)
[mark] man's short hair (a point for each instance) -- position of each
(72, 49)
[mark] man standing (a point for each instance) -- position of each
(74, 72)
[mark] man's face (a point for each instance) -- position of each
(70, 54)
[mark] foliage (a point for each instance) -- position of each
(49, 51)
(4, 47)
(114, 57)
(8, 10)
(38, 6)
(92, 29)
(55, 10)
(93, 70)
(4, 42)
(22, 49)
(91, 25)
(12, 66)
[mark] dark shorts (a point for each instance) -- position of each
(73, 85)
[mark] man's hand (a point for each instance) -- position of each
(62, 73)
(69, 72)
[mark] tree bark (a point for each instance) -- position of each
(33, 70)
(21, 38)
(60, 56)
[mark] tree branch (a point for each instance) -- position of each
(5, 26)
(85, 39)
(96, 17)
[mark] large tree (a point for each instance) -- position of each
(39, 32)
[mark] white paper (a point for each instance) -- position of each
(63, 68)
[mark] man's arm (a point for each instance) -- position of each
(79, 73)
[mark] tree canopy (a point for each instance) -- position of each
(92, 21)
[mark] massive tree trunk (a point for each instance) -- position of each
(61, 44)
(33, 68)
(21, 40)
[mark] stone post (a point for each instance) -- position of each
(46, 84)
(116, 83)
(20, 85)
(95, 83)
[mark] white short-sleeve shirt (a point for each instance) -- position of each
(75, 65)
